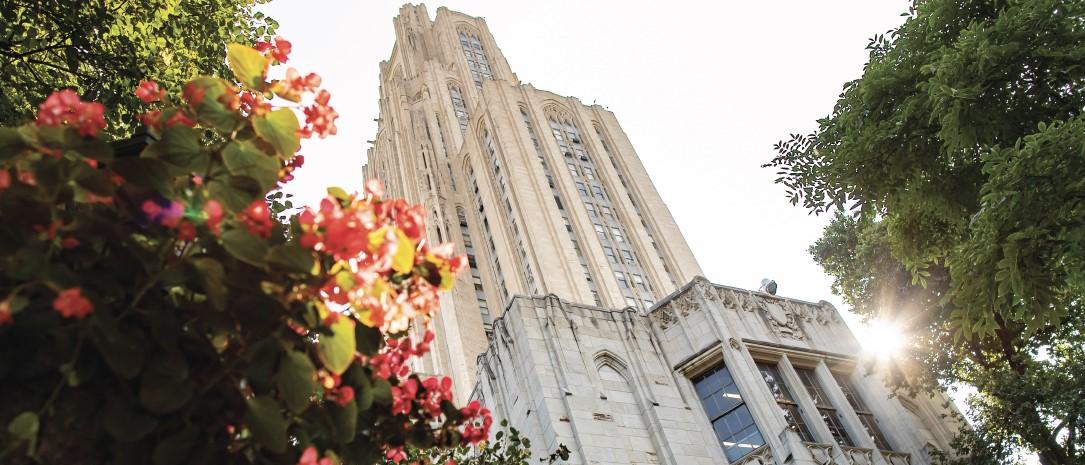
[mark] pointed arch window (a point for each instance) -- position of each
(459, 106)
(477, 63)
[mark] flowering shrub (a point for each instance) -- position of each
(152, 311)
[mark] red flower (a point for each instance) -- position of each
(341, 395)
(320, 117)
(5, 179)
(65, 107)
(294, 84)
(5, 311)
(257, 219)
(278, 51)
(396, 454)
(149, 92)
(152, 119)
(179, 117)
(26, 177)
(403, 397)
(214, 213)
(70, 303)
(193, 94)
(477, 426)
(69, 242)
(309, 457)
(186, 231)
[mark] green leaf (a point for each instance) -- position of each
(174, 450)
(382, 392)
(364, 396)
(369, 339)
(403, 260)
(164, 386)
(180, 146)
(235, 192)
(212, 276)
(248, 65)
(292, 258)
(93, 180)
(339, 193)
(210, 111)
(265, 420)
(336, 350)
(125, 423)
(11, 143)
(123, 350)
(25, 426)
(280, 129)
(245, 247)
(296, 380)
(243, 158)
(345, 419)
(147, 173)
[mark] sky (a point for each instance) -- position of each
(702, 89)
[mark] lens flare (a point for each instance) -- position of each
(882, 339)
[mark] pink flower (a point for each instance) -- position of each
(214, 213)
(279, 50)
(149, 92)
(70, 303)
(309, 457)
(65, 107)
(320, 117)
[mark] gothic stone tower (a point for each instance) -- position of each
(545, 194)
(584, 320)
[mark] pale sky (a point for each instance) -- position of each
(703, 90)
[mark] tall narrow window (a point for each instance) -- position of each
(784, 400)
(459, 107)
(477, 63)
(825, 408)
(731, 419)
(622, 282)
(480, 293)
(865, 416)
(618, 237)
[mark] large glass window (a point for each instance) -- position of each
(459, 107)
(787, 404)
(865, 416)
(731, 419)
(476, 57)
(825, 408)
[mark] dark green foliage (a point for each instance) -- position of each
(102, 49)
(956, 166)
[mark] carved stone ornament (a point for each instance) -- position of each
(664, 317)
(781, 319)
(733, 343)
(685, 304)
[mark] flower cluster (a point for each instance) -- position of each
(320, 117)
(286, 174)
(278, 49)
(65, 107)
(309, 457)
(149, 92)
(70, 303)
(477, 426)
(257, 219)
(374, 240)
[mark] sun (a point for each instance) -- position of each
(882, 339)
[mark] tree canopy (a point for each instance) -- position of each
(102, 49)
(955, 170)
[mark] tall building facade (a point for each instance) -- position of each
(584, 319)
